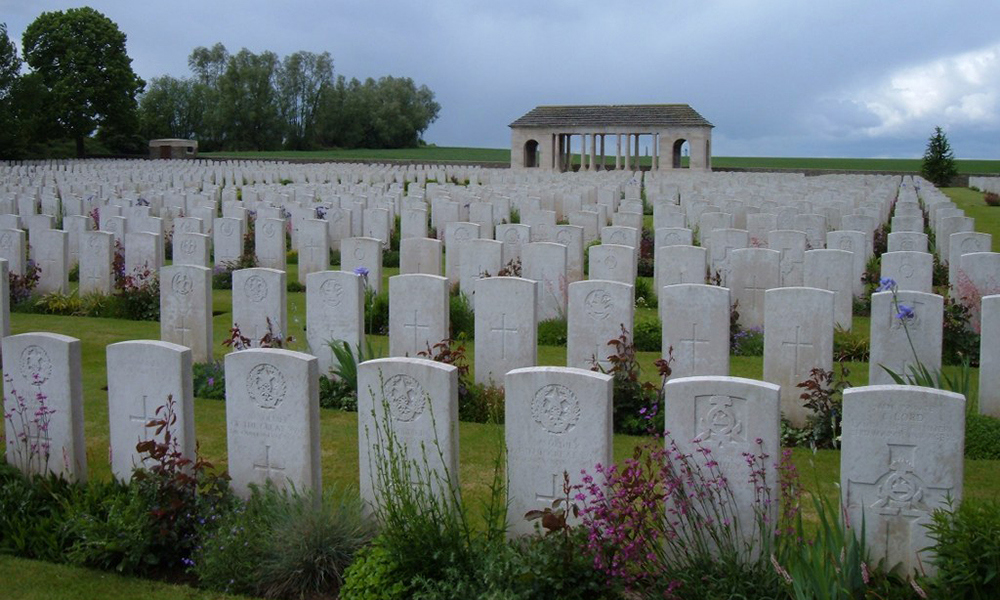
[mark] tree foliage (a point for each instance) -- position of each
(79, 56)
(248, 101)
(939, 161)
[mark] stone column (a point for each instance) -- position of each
(638, 163)
(628, 151)
(583, 151)
(604, 163)
(656, 153)
(618, 152)
(593, 152)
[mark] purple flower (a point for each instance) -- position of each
(905, 313)
(886, 284)
(361, 271)
(211, 381)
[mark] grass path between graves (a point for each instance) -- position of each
(987, 217)
(502, 156)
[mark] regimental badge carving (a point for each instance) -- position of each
(511, 237)
(270, 229)
(333, 292)
(907, 245)
(334, 216)
(188, 247)
(969, 245)
(563, 237)
(6, 241)
(610, 262)
(228, 228)
(846, 244)
(618, 237)
(720, 419)
(359, 253)
(255, 288)
(266, 386)
(405, 396)
(462, 234)
(556, 408)
(94, 242)
(599, 305)
(906, 270)
(36, 366)
(181, 284)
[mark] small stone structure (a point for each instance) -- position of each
(542, 138)
(173, 148)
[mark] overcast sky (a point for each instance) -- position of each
(776, 77)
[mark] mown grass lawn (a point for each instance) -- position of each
(479, 443)
(502, 156)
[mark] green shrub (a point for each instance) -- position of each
(311, 544)
(748, 342)
(293, 285)
(377, 313)
(482, 404)
(374, 576)
(645, 295)
(390, 259)
(850, 346)
(231, 551)
(586, 256)
(552, 332)
(967, 550)
(648, 335)
(337, 394)
(210, 380)
(74, 272)
(982, 437)
(462, 320)
(292, 257)
(959, 343)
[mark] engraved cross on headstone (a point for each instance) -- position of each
(693, 342)
(900, 497)
(144, 418)
(503, 330)
(796, 344)
(267, 467)
(416, 325)
(551, 496)
(755, 290)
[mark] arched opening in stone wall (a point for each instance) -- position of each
(679, 147)
(531, 154)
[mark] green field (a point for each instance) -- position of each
(339, 435)
(499, 155)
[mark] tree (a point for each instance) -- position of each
(172, 108)
(81, 59)
(302, 81)
(939, 162)
(248, 103)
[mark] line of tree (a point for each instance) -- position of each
(80, 88)
(248, 101)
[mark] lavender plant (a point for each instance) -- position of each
(30, 446)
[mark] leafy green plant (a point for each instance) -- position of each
(648, 335)
(748, 342)
(210, 380)
(462, 321)
(374, 575)
(636, 404)
(967, 549)
(230, 554)
(982, 437)
(337, 394)
(645, 295)
(850, 346)
(823, 395)
(552, 332)
(960, 343)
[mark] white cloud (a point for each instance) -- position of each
(956, 91)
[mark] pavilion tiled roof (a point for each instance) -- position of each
(615, 115)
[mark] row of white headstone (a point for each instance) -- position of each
(902, 446)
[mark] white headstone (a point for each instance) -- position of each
(989, 357)
(186, 309)
(798, 337)
(259, 303)
(599, 311)
(363, 253)
(42, 371)
(272, 420)
(833, 270)
(556, 421)
(912, 271)
(612, 262)
(269, 243)
(50, 248)
(901, 459)
(506, 324)
(335, 311)
(695, 320)
(792, 245)
(893, 329)
(418, 313)
(545, 262)
(143, 377)
(421, 398)
(420, 256)
(755, 270)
